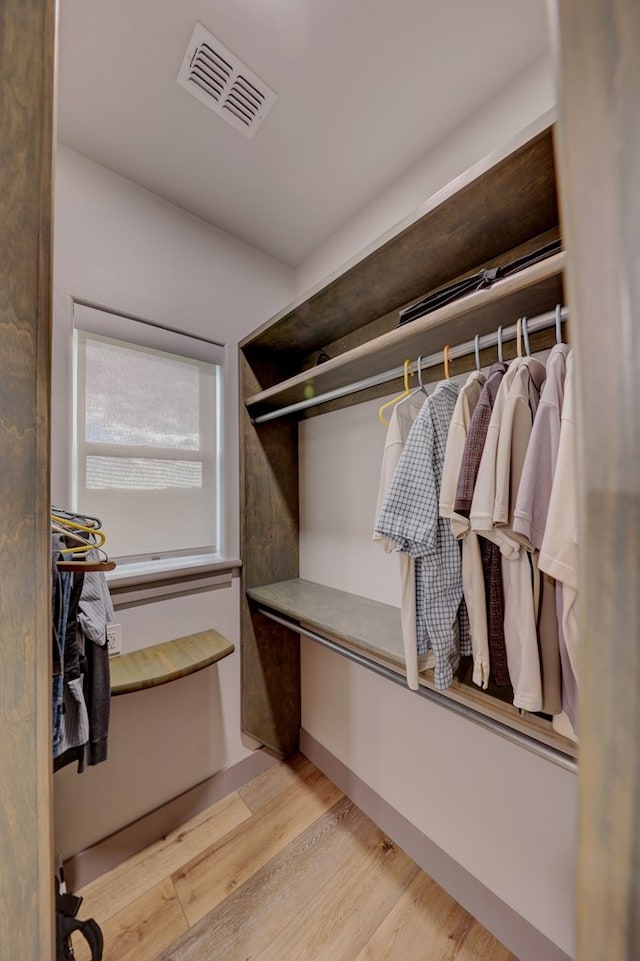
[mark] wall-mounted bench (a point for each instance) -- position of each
(166, 662)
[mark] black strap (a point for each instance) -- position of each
(89, 929)
(67, 907)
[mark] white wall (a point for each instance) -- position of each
(529, 96)
(504, 814)
(123, 248)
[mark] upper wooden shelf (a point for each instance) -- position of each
(497, 205)
(532, 291)
(166, 662)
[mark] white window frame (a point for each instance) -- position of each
(110, 324)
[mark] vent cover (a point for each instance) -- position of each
(224, 84)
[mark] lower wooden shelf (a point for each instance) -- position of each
(166, 662)
(373, 630)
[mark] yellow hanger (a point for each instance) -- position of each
(447, 375)
(519, 336)
(68, 527)
(405, 393)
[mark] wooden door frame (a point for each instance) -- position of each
(598, 81)
(27, 110)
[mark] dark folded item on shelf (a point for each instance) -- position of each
(477, 281)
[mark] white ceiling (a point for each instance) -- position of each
(365, 88)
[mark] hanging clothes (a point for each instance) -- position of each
(61, 593)
(559, 550)
(410, 518)
(400, 423)
(530, 520)
(472, 571)
(492, 515)
(81, 687)
(492, 655)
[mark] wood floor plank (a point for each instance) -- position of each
(480, 945)
(141, 930)
(346, 910)
(103, 898)
(265, 788)
(248, 920)
(210, 877)
(425, 923)
(291, 870)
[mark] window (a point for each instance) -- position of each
(146, 437)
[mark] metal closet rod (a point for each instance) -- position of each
(534, 324)
(532, 744)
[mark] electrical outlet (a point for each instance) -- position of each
(114, 639)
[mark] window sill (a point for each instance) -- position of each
(133, 584)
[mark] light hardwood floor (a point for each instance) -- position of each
(284, 869)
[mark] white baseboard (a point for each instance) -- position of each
(517, 934)
(95, 861)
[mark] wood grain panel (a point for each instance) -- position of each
(533, 291)
(166, 662)
(390, 910)
(270, 655)
(480, 945)
(389, 321)
(427, 919)
(599, 138)
(267, 787)
(250, 918)
(142, 930)
(105, 897)
(207, 880)
(425, 914)
(362, 891)
(26, 105)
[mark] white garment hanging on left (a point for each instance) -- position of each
(402, 417)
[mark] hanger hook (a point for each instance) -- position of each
(525, 336)
(476, 345)
(419, 373)
(500, 344)
(558, 323)
(406, 376)
(519, 337)
(447, 375)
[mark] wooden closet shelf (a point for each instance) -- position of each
(374, 630)
(166, 662)
(368, 626)
(532, 291)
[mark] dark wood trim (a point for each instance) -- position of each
(270, 658)
(26, 98)
(532, 292)
(599, 153)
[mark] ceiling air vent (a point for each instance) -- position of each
(224, 84)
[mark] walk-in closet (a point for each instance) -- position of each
(321, 473)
